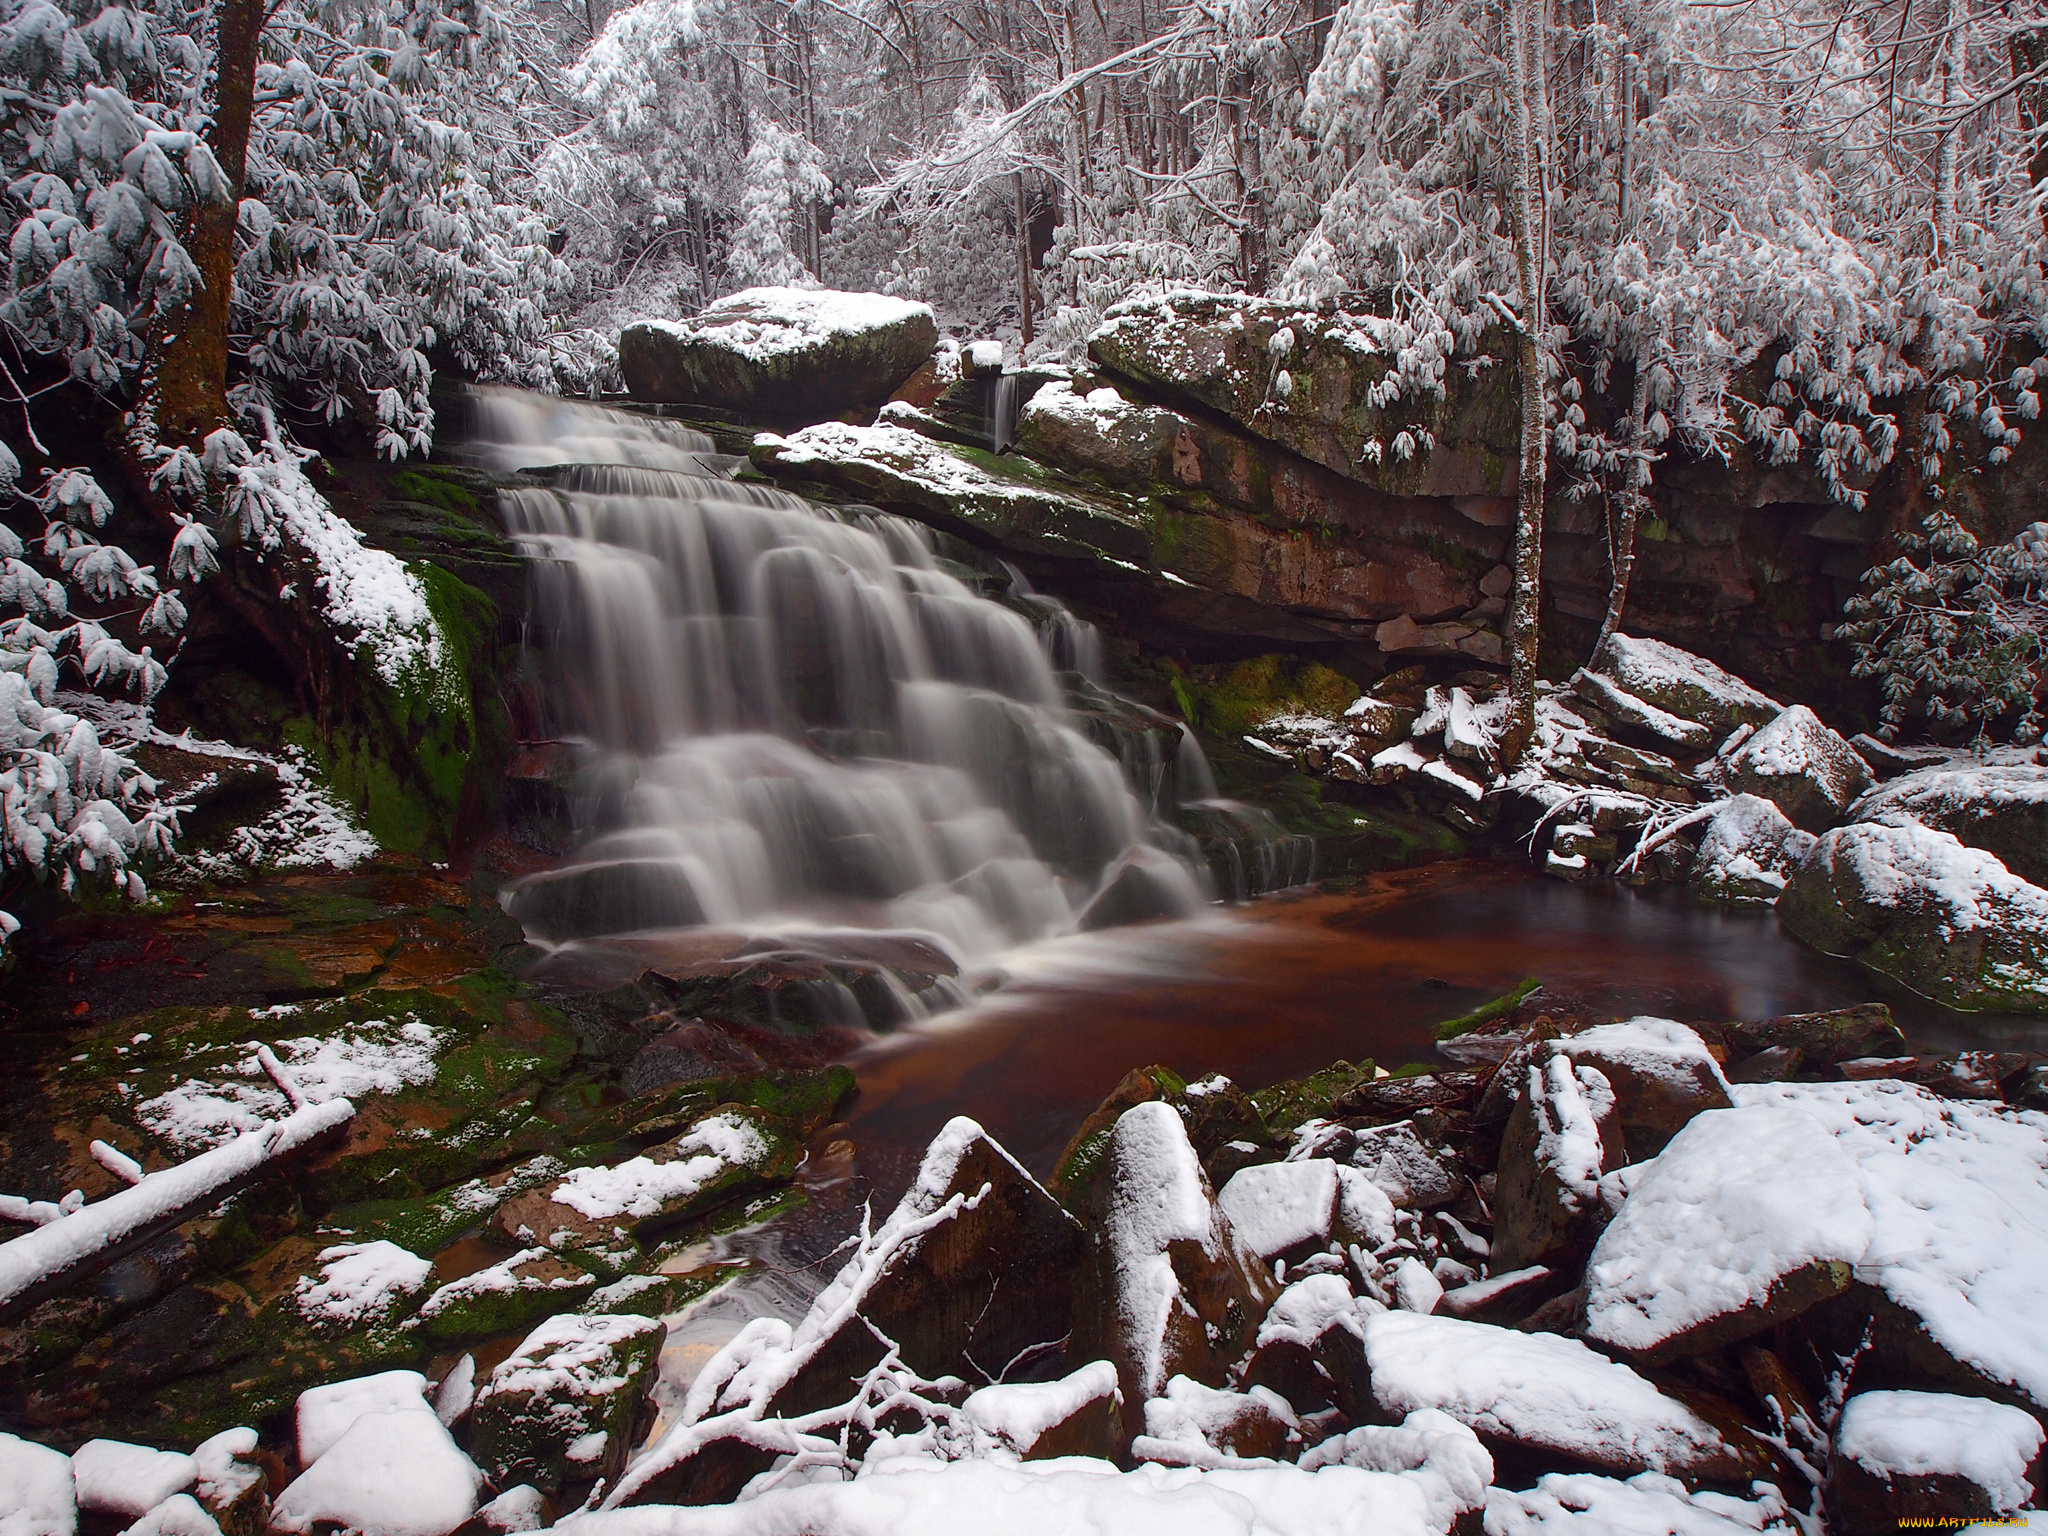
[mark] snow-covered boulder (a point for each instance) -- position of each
(113, 1477)
(1173, 1291)
(1310, 1347)
(1290, 1209)
(1999, 807)
(1098, 432)
(1191, 1425)
(390, 1474)
(324, 1414)
(1661, 1072)
(1413, 1173)
(786, 353)
(1081, 1414)
(1747, 853)
(1580, 1504)
(562, 1407)
(1538, 1392)
(1748, 1217)
(37, 1496)
(1808, 771)
(1683, 698)
(1952, 1292)
(501, 1298)
(1914, 904)
(1562, 1135)
(1929, 1458)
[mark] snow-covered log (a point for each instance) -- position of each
(56, 1254)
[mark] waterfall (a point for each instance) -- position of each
(1002, 413)
(794, 720)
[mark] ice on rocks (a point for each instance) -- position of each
(390, 1474)
(361, 1283)
(1748, 851)
(1648, 1504)
(113, 1477)
(1937, 1434)
(1537, 1390)
(1748, 1215)
(324, 1414)
(37, 1495)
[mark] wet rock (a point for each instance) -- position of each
(1916, 905)
(1562, 1136)
(1309, 1349)
(1749, 1217)
(1775, 1064)
(1395, 1098)
(1806, 770)
(2001, 808)
(1540, 1396)
(1287, 1106)
(1747, 853)
(1144, 884)
(1662, 1074)
(783, 353)
(563, 1407)
(1824, 1039)
(1078, 1415)
(1919, 1458)
(1170, 1290)
(689, 1052)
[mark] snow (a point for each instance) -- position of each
(498, 1278)
(1936, 1434)
(569, 1356)
(986, 356)
(1310, 1307)
(523, 1508)
(1019, 1413)
(1655, 671)
(1277, 1206)
(361, 1282)
(1749, 846)
(1454, 1467)
(1958, 1198)
(1576, 1100)
(37, 1496)
(57, 1246)
(899, 451)
(224, 1476)
(765, 323)
(325, 1414)
(391, 1474)
(641, 1187)
(1898, 863)
(1101, 411)
(113, 1477)
(1416, 1288)
(180, 1515)
(1392, 1158)
(1931, 794)
(456, 1394)
(1536, 1389)
(1740, 1199)
(1660, 1050)
(375, 1056)
(1067, 1496)
(1648, 1504)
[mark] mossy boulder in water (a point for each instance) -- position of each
(563, 1406)
(783, 353)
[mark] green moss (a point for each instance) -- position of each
(1255, 691)
(1285, 1107)
(431, 489)
(1450, 1029)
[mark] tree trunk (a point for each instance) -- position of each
(1527, 207)
(1621, 538)
(1023, 259)
(2029, 52)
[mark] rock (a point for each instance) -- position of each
(37, 1497)
(1078, 1415)
(1389, 1098)
(1411, 1171)
(1999, 807)
(1914, 904)
(506, 1297)
(1749, 1217)
(1288, 1106)
(689, 1052)
(1561, 1137)
(391, 1474)
(1213, 351)
(783, 353)
(1802, 767)
(1775, 1064)
(179, 1515)
(324, 1414)
(1289, 1210)
(233, 1487)
(1309, 1348)
(1097, 432)
(563, 1406)
(1143, 884)
(1888, 760)
(113, 1477)
(514, 1512)
(1661, 1072)
(1747, 853)
(1686, 687)
(1170, 1289)
(1825, 1039)
(1543, 1396)
(1922, 1458)
(602, 1211)
(1192, 1425)
(1502, 1298)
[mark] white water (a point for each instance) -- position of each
(796, 721)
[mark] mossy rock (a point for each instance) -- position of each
(507, 1297)
(1288, 1106)
(563, 1406)
(429, 1223)
(1241, 700)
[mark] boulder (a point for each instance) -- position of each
(1098, 432)
(1916, 905)
(1749, 1217)
(783, 353)
(1414, 1171)
(1927, 1458)
(1290, 1210)
(37, 1496)
(1825, 1039)
(507, 1297)
(1999, 807)
(1537, 1395)
(1191, 1425)
(115, 1478)
(1682, 687)
(1561, 1137)
(324, 1414)
(1170, 1290)
(1662, 1074)
(563, 1407)
(1229, 354)
(390, 1474)
(1078, 1415)
(1310, 1348)
(1747, 853)
(1798, 764)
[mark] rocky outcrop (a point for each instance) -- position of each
(781, 353)
(1806, 770)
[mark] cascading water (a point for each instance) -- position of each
(1003, 405)
(795, 726)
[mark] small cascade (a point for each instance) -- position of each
(1002, 413)
(797, 731)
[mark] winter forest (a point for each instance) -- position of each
(822, 767)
